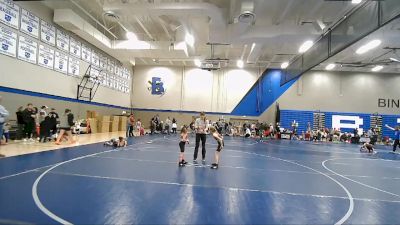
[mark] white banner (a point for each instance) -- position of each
(95, 59)
(103, 62)
(61, 62)
(27, 50)
(75, 48)
(8, 41)
(46, 57)
(29, 24)
(86, 54)
(111, 66)
(47, 33)
(62, 40)
(9, 13)
(73, 66)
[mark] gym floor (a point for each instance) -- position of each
(273, 182)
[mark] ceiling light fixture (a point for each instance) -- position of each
(197, 62)
(240, 63)
(284, 65)
(394, 60)
(131, 36)
(189, 39)
(370, 45)
(330, 66)
(356, 1)
(377, 68)
(305, 46)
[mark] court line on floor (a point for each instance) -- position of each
(35, 195)
(357, 182)
(350, 197)
(240, 167)
(216, 187)
(287, 148)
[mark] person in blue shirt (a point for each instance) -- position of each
(396, 136)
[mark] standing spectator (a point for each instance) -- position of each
(66, 122)
(152, 126)
(29, 118)
(53, 121)
(131, 121)
(200, 126)
(138, 125)
(3, 117)
(43, 127)
(20, 122)
(36, 129)
(174, 125)
(6, 132)
(168, 125)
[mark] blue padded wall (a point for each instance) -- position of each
(263, 94)
(303, 117)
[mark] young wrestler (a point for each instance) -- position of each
(220, 141)
(184, 140)
(367, 147)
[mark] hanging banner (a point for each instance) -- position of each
(111, 66)
(73, 66)
(8, 41)
(61, 62)
(46, 57)
(9, 13)
(62, 40)
(75, 48)
(103, 62)
(29, 24)
(86, 54)
(95, 59)
(27, 50)
(47, 33)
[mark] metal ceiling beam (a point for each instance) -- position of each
(165, 29)
(94, 19)
(144, 28)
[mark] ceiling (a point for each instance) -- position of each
(273, 37)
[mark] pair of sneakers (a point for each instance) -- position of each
(214, 166)
(203, 161)
(182, 163)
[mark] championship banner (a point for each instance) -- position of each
(62, 40)
(61, 62)
(75, 48)
(29, 24)
(47, 33)
(9, 13)
(46, 57)
(86, 54)
(73, 66)
(95, 59)
(8, 42)
(27, 50)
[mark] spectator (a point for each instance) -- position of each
(131, 121)
(66, 122)
(29, 119)
(53, 121)
(174, 125)
(20, 123)
(3, 117)
(6, 132)
(168, 125)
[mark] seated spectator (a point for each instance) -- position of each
(120, 142)
(367, 147)
(247, 133)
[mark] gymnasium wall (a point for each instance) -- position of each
(189, 89)
(25, 76)
(353, 94)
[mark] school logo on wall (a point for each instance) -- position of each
(350, 122)
(156, 86)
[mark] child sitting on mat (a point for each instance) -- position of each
(120, 142)
(184, 140)
(218, 137)
(367, 147)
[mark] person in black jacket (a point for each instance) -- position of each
(53, 121)
(29, 115)
(20, 122)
